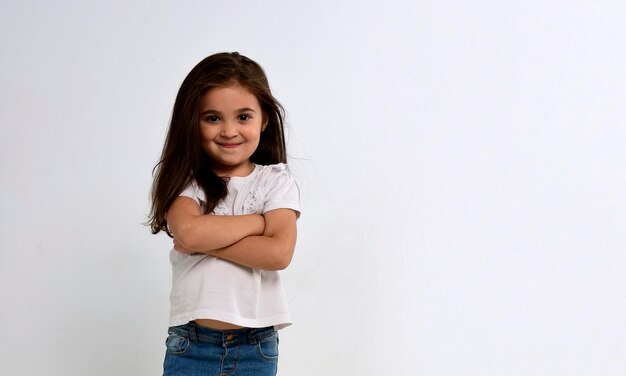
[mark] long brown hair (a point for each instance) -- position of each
(183, 159)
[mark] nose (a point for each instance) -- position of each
(229, 129)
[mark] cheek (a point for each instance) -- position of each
(256, 132)
(205, 135)
(256, 141)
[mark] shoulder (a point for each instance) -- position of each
(274, 169)
(279, 187)
(270, 175)
(193, 190)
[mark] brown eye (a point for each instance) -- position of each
(244, 117)
(212, 119)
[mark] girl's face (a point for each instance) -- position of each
(231, 122)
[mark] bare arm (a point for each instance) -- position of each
(196, 232)
(271, 251)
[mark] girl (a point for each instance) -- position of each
(222, 190)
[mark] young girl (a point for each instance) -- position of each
(222, 190)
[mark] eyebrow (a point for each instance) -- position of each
(209, 111)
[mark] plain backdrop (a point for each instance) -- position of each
(461, 165)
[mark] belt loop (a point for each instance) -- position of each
(252, 340)
(192, 331)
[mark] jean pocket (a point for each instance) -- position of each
(268, 347)
(176, 344)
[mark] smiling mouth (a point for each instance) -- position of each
(229, 146)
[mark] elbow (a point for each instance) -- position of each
(280, 265)
(282, 259)
(188, 239)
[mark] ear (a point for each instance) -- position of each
(264, 126)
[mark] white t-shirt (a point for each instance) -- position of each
(206, 287)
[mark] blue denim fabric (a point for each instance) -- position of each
(196, 350)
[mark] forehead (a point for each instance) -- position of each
(225, 98)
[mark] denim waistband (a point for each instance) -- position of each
(233, 337)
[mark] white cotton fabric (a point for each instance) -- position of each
(206, 287)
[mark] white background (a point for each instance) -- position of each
(461, 166)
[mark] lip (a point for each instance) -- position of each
(228, 146)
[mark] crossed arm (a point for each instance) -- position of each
(257, 241)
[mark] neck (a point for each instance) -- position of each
(235, 171)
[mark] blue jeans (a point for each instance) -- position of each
(196, 350)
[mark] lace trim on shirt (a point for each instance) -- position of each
(251, 204)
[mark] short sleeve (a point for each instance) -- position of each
(282, 191)
(193, 191)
